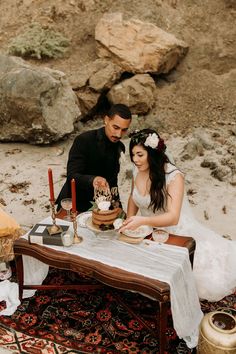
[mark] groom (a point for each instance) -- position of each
(94, 158)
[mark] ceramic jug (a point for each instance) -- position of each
(217, 334)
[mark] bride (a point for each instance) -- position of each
(158, 193)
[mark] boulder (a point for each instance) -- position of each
(91, 80)
(105, 77)
(87, 100)
(192, 149)
(203, 138)
(137, 93)
(209, 162)
(98, 75)
(222, 173)
(138, 47)
(37, 105)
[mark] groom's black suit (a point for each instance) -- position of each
(92, 154)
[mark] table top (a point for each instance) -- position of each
(112, 276)
(182, 241)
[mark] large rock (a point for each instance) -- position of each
(99, 75)
(136, 93)
(90, 80)
(137, 46)
(37, 105)
(87, 99)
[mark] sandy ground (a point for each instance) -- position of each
(25, 193)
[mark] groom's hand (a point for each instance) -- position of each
(100, 182)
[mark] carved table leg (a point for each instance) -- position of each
(162, 326)
(19, 274)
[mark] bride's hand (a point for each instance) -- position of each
(132, 223)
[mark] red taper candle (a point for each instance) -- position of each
(73, 195)
(51, 189)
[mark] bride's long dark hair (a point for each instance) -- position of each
(157, 160)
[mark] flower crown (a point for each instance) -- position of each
(152, 140)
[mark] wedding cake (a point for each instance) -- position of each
(105, 217)
(106, 209)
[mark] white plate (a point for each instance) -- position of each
(83, 217)
(94, 228)
(142, 231)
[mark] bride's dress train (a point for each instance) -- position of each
(215, 257)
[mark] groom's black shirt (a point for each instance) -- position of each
(92, 154)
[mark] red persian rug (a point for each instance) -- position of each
(105, 320)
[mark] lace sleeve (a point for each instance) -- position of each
(134, 171)
(171, 173)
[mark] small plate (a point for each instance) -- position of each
(94, 228)
(142, 231)
(83, 217)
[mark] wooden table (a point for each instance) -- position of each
(105, 274)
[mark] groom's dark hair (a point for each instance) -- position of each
(121, 110)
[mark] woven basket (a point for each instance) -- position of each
(9, 232)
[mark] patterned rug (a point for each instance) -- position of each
(105, 320)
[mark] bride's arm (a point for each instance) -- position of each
(132, 208)
(170, 216)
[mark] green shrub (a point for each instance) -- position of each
(39, 42)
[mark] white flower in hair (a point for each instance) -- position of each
(152, 141)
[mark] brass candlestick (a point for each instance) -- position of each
(77, 238)
(54, 229)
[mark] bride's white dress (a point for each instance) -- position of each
(215, 257)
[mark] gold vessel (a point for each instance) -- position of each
(217, 334)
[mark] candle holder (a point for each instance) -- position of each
(54, 229)
(77, 238)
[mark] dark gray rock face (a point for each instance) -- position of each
(36, 105)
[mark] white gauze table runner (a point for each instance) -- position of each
(166, 263)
